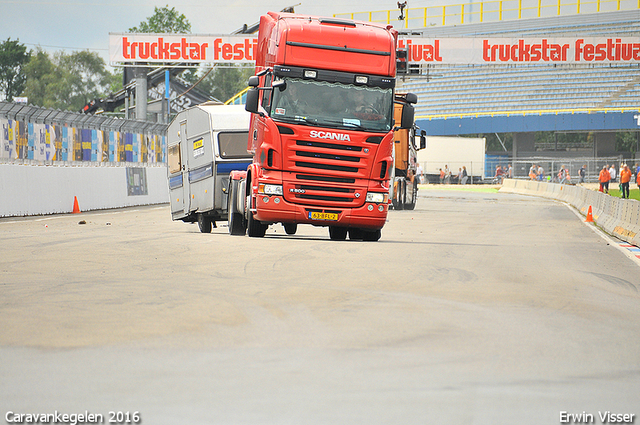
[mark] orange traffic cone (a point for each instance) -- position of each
(589, 216)
(76, 208)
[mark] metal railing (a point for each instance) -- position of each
(489, 11)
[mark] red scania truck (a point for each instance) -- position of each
(321, 132)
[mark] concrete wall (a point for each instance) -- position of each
(37, 189)
(618, 217)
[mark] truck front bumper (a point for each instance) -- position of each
(275, 209)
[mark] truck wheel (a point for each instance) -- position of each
(414, 195)
(237, 226)
(290, 228)
(355, 234)
(371, 235)
(337, 233)
(204, 223)
(255, 229)
(399, 195)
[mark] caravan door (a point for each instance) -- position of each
(185, 153)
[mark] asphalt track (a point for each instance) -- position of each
(475, 308)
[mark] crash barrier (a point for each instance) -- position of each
(39, 190)
(618, 217)
(49, 158)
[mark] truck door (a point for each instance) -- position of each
(186, 161)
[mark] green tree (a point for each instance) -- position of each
(13, 58)
(164, 21)
(67, 81)
(39, 73)
(627, 141)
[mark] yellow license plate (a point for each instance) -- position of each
(323, 216)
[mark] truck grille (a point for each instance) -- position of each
(326, 173)
(340, 158)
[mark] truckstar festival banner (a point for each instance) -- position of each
(575, 50)
(134, 49)
(181, 48)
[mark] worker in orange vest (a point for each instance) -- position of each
(625, 178)
(604, 178)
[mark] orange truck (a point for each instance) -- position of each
(403, 190)
(321, 131)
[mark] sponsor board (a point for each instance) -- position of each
(132, 48)
(572, 50)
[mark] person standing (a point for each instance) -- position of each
(612, 173)
(533, 172)
(582, 172)
(499, 175)
(420, 174)
(540, 173)
(465, 176)
(604, 178)
(625, 178)
(562, 175)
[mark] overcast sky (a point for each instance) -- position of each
(86, 24)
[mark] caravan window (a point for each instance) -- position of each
(233, 144)
(175, 164)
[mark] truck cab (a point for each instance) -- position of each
(321, 132)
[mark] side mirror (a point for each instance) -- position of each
(251, 104)
(407, 116)
(411, 98)
(423, 139)
(254, 81)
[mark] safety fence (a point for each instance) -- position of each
(488, 11)
(551, 166)
(41, 136)
(618, 217)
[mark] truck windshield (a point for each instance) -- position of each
(334, 105)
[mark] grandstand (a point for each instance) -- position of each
(459, 90)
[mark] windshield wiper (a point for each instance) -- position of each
(296, 120)
(320, 122)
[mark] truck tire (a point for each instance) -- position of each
(237, 224)
(204, 223)
(371, 235)
(399, 195)
(414, 196)
(337, 233)
(290, 228)
(255, 229)
(355, 234)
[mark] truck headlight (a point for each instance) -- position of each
(376, 197)
(270, 189)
